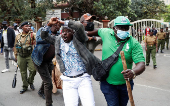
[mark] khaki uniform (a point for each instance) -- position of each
(167, 38)
(23, 55)
(151, 42)
(161, 39)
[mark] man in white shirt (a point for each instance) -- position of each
(8, 39)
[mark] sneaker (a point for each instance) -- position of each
(147, 64)
(5, 70)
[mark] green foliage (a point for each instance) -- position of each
(101, 8)
(146, 9)
(23, 9)
(113, 8)
(82, 6)
(166, 16)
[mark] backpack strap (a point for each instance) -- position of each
(120, 47)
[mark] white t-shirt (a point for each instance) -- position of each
(16, 32)
(5, 38)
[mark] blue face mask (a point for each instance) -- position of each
(122, 34)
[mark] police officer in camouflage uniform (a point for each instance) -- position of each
(151, 48)
(167, 38)
(161, 39)
(24, 45)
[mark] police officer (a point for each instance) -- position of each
(161, 39)
(151, 48)
(167, 38)
(24, 44)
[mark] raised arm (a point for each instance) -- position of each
(47, 37)
(93, 33)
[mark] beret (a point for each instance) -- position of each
(4, 22)
(24, 23)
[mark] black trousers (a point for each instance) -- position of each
(45, 70)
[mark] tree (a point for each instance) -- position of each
(166, 16)
(101, 8)
(113, 8)
(146, 9)
(23, 9)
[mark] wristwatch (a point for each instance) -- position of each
(134, 75)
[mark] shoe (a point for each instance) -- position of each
(22, 91)
(32, 87)
(147, 64)
(162, 51)
(155, 66)
(41, 93)
(5, 70)
(50, 105)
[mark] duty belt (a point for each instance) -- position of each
(24, 54)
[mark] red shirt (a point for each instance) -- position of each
(147, 31)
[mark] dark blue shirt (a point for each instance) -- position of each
(154, 32)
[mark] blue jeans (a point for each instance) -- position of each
(115, 95)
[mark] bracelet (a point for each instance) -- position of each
(133, 74)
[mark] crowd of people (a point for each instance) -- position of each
(153, 41)
(72, 45)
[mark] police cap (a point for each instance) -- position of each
(4, 22)
(24, 23)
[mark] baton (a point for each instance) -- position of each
(127, 82)
(15, 78)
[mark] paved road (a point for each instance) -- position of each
(152, 88)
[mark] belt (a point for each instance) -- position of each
(24, 55)
(75, 76)
(151, 45)
(160, 39)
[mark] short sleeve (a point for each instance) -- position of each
(137, 53)
(104, 31)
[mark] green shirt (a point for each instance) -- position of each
(132, 50)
